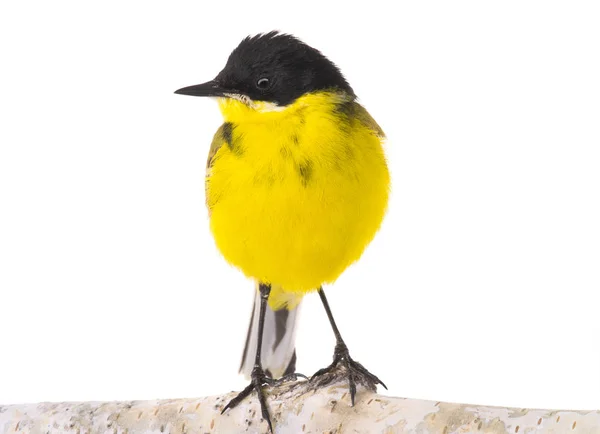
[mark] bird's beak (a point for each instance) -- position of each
(210, 88)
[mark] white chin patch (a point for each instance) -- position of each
(261, 106)
(241, 98)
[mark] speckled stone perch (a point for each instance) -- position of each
(295, 408)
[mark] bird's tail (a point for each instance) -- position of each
(278, 354)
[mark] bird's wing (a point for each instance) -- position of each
(354, 110)
(363, 116)
(219, 140)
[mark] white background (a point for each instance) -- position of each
(482, 286)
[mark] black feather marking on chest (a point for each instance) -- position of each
(233, 142)
(228, 133)
(305, 170)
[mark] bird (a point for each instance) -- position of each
(297, 185)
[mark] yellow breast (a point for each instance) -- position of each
(295, 195)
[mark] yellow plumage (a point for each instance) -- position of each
(296, 193)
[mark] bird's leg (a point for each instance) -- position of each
(354, 370)
(258, 375)
(259, 378)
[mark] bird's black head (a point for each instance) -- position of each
(273, 67)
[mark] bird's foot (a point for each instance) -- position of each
(354, 371)
(289, 377)
(259, 380)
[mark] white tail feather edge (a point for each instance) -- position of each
(279, 337)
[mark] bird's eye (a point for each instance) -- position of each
(262, 83)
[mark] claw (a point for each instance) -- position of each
(325, 370)
(260, 380)
(263, 408)
(289, 377)
(364, 371)
(239, 398)
(354, 371)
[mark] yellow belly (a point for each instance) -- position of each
(300, 195)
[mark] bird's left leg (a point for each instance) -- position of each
(354, 371)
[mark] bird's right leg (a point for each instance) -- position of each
(259, 378)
